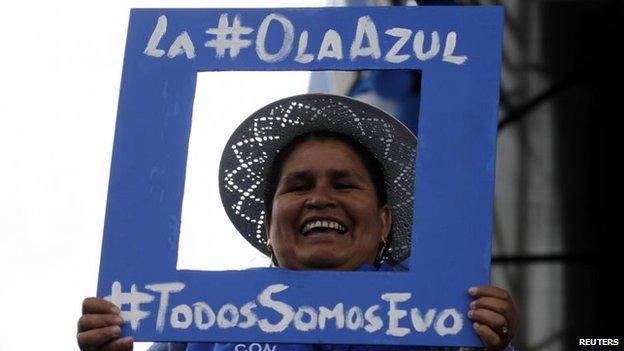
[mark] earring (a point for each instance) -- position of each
(270, 249)
(383, 248)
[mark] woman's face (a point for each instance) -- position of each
(325, 213)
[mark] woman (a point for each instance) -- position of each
(335, 178)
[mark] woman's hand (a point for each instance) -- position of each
(99, 327)
(494, 315)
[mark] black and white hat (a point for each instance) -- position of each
(248, 154)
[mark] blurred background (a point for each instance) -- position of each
(555, 242)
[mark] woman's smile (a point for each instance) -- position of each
(320, 225)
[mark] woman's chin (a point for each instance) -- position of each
(328, 261)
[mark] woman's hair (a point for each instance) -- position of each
(371, 164)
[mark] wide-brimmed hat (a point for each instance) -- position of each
(251, 149)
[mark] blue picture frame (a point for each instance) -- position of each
(455, 167)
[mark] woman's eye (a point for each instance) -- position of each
(296, 188)
(345, 186)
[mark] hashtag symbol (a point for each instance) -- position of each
(134, 298)
(228, 38)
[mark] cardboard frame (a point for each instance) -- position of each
(453, 190)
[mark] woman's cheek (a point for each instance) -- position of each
(361, 206)
(285, 214)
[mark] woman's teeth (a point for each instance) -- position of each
(324, 225)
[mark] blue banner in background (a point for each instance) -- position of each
(458, 52)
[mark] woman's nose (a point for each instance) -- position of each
(320, 197)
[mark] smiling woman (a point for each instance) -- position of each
(321, 182)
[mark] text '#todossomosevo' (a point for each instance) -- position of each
(397, 321)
